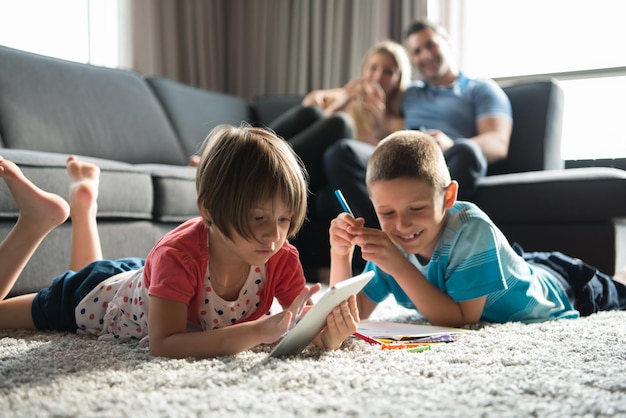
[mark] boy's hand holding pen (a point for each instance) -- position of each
(375, 244)
(340, 235)
(351, 222)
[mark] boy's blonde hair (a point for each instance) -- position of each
(409, 154)
(243, 167)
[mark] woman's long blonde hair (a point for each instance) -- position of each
(398, 53)
(363, 120)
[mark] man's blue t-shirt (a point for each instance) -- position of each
(473, 259)
(454, 110)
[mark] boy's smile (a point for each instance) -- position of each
(411, 212)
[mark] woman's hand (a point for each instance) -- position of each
(445, 143)
(369, 112)
(355, 89)
(330, 100)
(375, 102)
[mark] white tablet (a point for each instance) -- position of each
(314, 320)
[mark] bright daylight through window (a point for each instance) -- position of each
(525, 37)
(75, 30)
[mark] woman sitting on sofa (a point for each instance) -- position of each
(373, 100)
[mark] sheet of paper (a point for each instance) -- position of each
(398, 331)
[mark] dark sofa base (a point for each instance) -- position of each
(603, 244)
(579, 212)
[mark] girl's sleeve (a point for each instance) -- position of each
(171, 275)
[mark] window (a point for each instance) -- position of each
(594, 118)
(578, 42)
(75, 30)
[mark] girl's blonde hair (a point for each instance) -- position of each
(408, 154)
(242, 167)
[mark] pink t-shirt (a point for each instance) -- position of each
(176, 268)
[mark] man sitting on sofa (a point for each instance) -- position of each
(470, 118)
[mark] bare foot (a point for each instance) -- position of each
(84, 182)
(194, 161)
(38, 209)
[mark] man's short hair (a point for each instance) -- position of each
(422, 24)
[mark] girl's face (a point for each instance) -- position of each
(381, 68)
(411, 212)
(270, 223)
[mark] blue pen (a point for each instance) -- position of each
(343, 202)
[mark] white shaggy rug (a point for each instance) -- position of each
(567, 368)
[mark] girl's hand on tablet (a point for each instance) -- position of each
(341, 323)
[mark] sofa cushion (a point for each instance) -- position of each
(82, 109)
(174, 192)
(125, 192)
(194, 112)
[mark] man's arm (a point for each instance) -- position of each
(494, 135)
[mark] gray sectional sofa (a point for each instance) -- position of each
(142, 130)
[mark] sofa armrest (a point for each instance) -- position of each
(535, 145)
(589, 194)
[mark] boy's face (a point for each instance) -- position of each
(411, 212)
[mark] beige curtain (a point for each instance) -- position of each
(259, 47)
